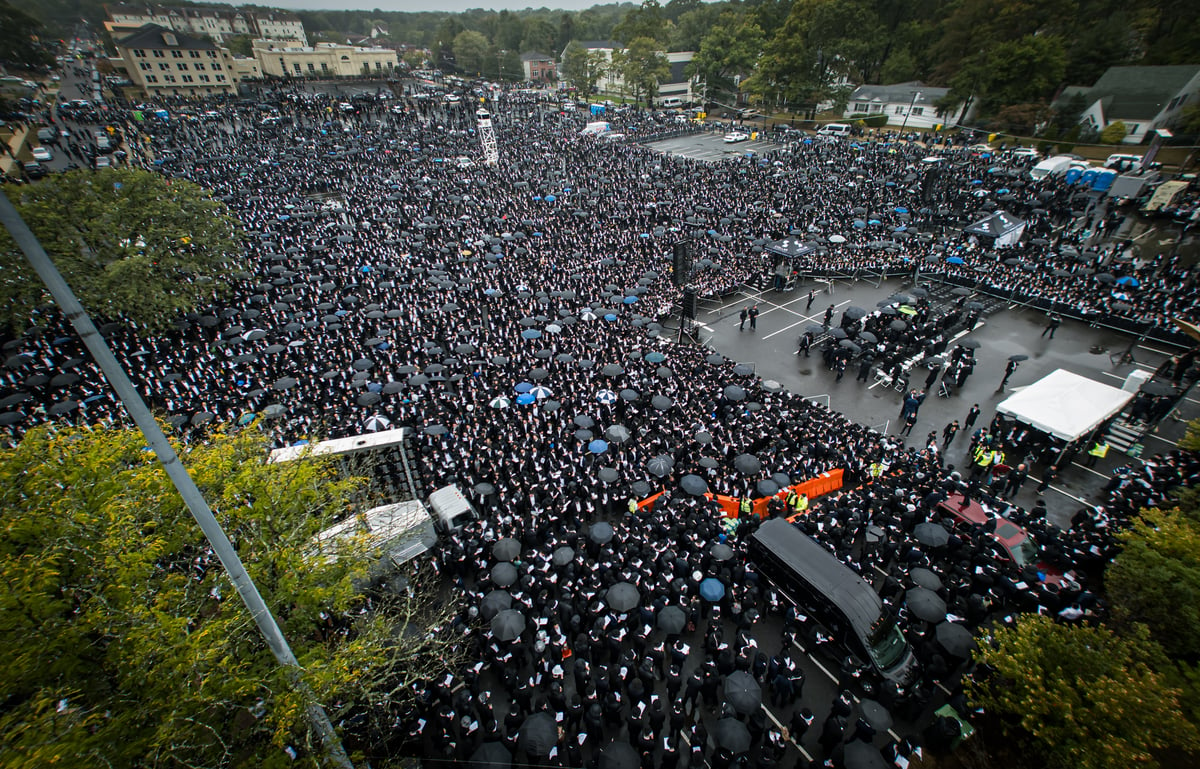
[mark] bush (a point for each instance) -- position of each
(1114, 133)
(875, 121)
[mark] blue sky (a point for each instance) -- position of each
(452, 6)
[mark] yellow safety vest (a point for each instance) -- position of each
(1100, 450)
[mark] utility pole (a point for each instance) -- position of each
(916, 95)
(131, 400)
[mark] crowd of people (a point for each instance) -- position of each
(510, 316)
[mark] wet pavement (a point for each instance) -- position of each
(772, 349)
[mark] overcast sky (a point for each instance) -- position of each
(452, 6)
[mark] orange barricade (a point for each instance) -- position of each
(812, 488)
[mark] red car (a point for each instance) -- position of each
(1020, 547)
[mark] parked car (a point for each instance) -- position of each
(1015, 542)
(42, 154)
(735, 137)
(34, 170)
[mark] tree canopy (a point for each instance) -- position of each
(125, 643)
(19, 44)
(129, 242)
(1083, 697)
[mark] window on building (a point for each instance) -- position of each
(177, 54)
(378, 66)
(199, 66)
(216, 65)
(151, 78)
(162, 65)
(138, 53)
(312, 68)
(918, 111)
(145, 66)
(324, 67)
(181, 66)
(899, 110)
(220, 78)
(194, 54)
(204, 78)
(169, 78)
(158, 54)
(296, 67)
(212, 54)
(861, 106)
(186, 78)
(1133, 128)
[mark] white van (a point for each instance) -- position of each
(451, 510)
(1059, 164)
(834, 129)
(672, 102)
(1123, 162)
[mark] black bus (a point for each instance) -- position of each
(845, 604)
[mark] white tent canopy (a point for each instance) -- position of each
(1065, 405)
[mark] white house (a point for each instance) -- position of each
(678, 85)
(1143, 98)
(911, 104)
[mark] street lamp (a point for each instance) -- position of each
(916, 95)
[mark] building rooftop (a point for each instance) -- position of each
(156, 36)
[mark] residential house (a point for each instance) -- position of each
(1143, 98)
(162, 61)
(538, 67)
(912, 104)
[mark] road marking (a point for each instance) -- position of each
(803, 319)
(1080, 500)
(812, 658)
(781, 727)
(1090, 470)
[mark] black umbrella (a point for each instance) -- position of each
(622, 597)
(747, 464)
(1018, 358)
(660, 465)
(619, 754)
(617, 433)
(766, 488)
(495, 602)
(931, 534)
(538, 735)
(508, 624)
(702, 436)
(562, 556)
(735, 393)
(862, 755)
(875, 714)
(955, 639)
(672, 620)
(925, 604)
(694, 485)
(661, 402)
(583, 420)
(970, 344)
(925, 578)
(608, 475)
(732, 735)
(504, 574)
(742, 692)
(484, 489)
(506, 549)
(601, 533)
(1157, 388)
(491, 755)
(855, 313)
(721, 552)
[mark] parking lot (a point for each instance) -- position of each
(712, 147)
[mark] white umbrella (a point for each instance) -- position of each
(376, 423)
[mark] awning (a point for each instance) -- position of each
(1065, 405)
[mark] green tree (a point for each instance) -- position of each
(1012, 72)
(124, 642)
(19, 44)
(1114, 132)
(730, 48)
(644, 21)
(693, 25)
(539, 36)
(470, 50)
(643, 67)
(1082, 697)
(1156, 579)
(128, 242)
(584, 68)
(240, 45)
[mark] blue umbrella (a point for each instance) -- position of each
(523, 387)
(550, 198)
(629, 299)
(859, 224)
(977, 181)
(712, 589)
(1128, 281)
(610, 316)
(874, 222)
(531, 333)
(526, 398)
(491, 291)
(644, 235)
(374, 387)
(655, 357)
(900, 210)
(954, 260)
(597, 446)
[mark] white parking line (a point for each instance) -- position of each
(832, 677)
(779, 724)
(803, 319)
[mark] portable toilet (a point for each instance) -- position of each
(1104, 180)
